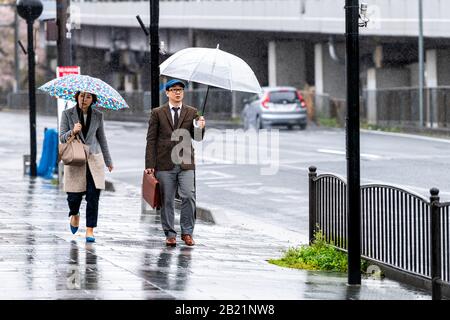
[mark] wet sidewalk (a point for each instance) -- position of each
(41, 259)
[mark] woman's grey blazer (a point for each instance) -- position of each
(96, 138)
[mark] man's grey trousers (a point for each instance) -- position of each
(169, 180)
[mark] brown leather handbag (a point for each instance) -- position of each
(73, 152)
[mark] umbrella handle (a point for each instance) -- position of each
(204, 102)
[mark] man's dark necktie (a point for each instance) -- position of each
(175, 118)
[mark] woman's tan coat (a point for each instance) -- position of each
(75, 177)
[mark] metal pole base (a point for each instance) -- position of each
(353, 285)
(26, 164)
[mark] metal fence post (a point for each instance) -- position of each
(312, 202)
(435, 244)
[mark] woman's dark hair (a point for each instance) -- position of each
(94, 97)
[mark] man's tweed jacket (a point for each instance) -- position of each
(160, 145)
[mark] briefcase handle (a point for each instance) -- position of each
(153, 173)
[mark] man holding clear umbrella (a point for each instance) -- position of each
(174, 168)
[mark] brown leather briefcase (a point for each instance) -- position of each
(151, 190)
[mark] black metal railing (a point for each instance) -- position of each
(395, 226)
(329, 209)
(445, 237)
(399, 228)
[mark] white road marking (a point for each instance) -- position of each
(363, 155)
(222, 182)
(331, 151)
(233, 184)
(205, 175)
(289, 166)
(5, 150)
(125, 170)
(245, 190)
(212, 160)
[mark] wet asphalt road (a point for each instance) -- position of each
(228, 184)
(281, 197)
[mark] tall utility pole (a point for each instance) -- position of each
(421, 64)
(15, 25)
(30, 10)
(64, 57)
(154, 52)
(16, 52)
(63, 43)
(352, 137)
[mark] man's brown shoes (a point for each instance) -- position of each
(187, 238)
(171, 242)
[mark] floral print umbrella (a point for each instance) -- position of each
(66, 87)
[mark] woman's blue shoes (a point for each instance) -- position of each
(75, 229)
(72, 228)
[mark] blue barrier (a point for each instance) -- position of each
(49, 157)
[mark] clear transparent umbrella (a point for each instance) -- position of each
(212, 67)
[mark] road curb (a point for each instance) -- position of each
(205, 215)
(407, 135)
(202, 213)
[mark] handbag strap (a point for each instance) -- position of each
(73, 136)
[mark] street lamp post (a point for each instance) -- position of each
(16, 53)
(63, 43)
(154, 52)
(421, 64)
(352, 141)
(30, 10)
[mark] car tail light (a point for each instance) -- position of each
(265, 101)
(302, 101)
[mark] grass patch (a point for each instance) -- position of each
(365, 125)
(328, 122)
(333, 123)
(319, 256)
(236, 120)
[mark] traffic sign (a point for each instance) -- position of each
(63, 105)
(66, 70)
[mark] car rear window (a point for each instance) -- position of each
(283, 97)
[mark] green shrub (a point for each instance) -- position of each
(319, 256)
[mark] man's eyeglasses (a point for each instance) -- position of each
(176, 90)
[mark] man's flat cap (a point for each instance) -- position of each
(173, 82)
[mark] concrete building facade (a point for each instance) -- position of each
(286, 42)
